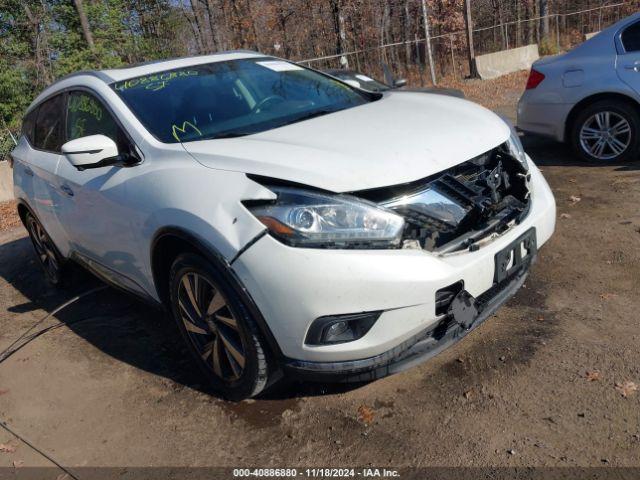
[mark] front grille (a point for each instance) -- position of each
(478, 198)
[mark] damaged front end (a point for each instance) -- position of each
(463, 206)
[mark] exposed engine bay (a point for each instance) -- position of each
(456, 209)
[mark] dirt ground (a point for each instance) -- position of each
(535, 385)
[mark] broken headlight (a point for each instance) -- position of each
(514, 147)
(305, 218)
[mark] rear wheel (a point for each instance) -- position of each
(48, 256)
(606, 131)
(218, 329)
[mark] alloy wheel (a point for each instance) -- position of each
(605, 135)
(211, 326)
(44, 249)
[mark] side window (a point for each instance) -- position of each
(48, 132)
(87, 116)
(631, 38)
(28, 122)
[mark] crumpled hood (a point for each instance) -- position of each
(398, 139)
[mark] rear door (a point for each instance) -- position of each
(39, 162)
(628, 64)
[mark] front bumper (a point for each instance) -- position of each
(414, 351)
(294, 286)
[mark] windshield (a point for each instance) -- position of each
(232, 98)
(365, 82)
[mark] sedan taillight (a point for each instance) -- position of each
(535, 79)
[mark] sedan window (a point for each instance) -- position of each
(232, 98)
(631, 38)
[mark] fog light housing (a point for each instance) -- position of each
(340, 328)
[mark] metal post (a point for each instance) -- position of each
(420, 63)
(506, 34)
(453, 56)
(473, 72)
(425, 16)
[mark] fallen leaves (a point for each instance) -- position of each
(366, 415)
(7, 448)
(608, 296)
(565, 215)
(574, 199)
(2, 392)
(8, 215)
(626, 388)
(592, 376)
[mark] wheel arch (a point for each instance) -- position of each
(169, 242)
(596, 97)
(23, 209)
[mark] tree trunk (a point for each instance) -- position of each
(84, 23)
(544, 21)
(530, 25)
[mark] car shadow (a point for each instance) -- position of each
(118, 324)
(546, 152)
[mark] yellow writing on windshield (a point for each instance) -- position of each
(154, 82)
(183, 130)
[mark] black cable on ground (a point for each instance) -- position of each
(24, 339)
(32, 446)
(50, 314)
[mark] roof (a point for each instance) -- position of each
(118, 74)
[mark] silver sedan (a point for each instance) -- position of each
(590, 96)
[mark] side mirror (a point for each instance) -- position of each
(399, 83)
(94, 151)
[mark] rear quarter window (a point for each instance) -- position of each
(631, 38)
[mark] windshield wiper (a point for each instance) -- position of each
(230, 134)
(310, 115)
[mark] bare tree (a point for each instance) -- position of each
(84, 23)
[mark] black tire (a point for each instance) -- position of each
(220, 335)
(586, 118)
(48, 256)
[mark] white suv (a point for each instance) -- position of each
(290, 223)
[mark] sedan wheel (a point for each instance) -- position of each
(218, 328)
(45, 250)
(605, 135)
(606, 131)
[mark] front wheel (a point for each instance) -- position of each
(606, 131)
(218, 328)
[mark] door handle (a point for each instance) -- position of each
(67, 190)
(28, 171)
(634, 67)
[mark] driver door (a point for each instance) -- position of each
(94, 208)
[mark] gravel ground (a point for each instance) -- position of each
(542, 383)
